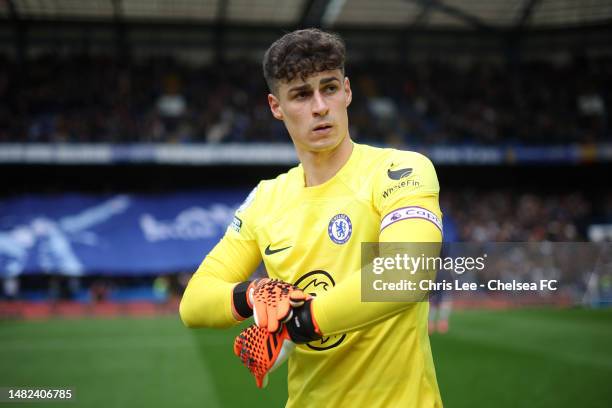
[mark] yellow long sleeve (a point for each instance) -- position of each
(207, 301)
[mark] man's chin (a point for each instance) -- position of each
(321, 147)
(323, 144)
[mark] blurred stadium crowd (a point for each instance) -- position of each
(102, 99)
(507, 216)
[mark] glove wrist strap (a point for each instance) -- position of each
(240, 302)
(302, 327)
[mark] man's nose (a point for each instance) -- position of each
(319, 105)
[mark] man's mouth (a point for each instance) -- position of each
(322, 128)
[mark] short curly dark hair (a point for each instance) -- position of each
(302, 53)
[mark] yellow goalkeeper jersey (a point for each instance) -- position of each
(372, 354)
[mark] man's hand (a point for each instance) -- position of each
(262, 352)
(273, 301)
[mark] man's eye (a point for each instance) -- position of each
(331, 88)
(301, 95)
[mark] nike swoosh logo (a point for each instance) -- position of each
(399, 174)
(270, 251)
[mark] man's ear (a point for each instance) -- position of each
(275, 107)
(347, 91)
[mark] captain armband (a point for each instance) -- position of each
(407, 213)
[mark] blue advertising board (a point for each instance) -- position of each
(75, 234)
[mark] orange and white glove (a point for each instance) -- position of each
(270, 301)
(273, 301)
(262, 351)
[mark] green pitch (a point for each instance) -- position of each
(523, 358)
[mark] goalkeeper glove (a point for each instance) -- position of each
(262, 351)
(269, 300)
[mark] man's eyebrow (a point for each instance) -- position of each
(306, 87)
(329, 79)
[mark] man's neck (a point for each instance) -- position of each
(322, 166)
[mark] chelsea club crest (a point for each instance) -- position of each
(340, 228)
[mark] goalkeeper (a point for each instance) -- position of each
(307, 226)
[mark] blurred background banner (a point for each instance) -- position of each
(76, 234)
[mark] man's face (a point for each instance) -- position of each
(314, 110)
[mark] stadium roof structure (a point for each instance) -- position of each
(427, 14)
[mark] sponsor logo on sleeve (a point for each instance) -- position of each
(236, 224)
(407, 213)
(404, 183)
(398, 174)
